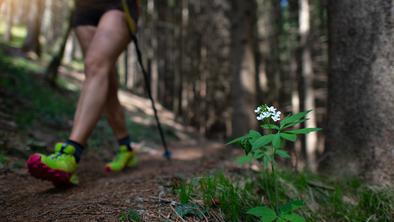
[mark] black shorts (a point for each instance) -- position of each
(89, 12)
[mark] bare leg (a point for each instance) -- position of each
(110, 38)
(112, 109)
(85, 36)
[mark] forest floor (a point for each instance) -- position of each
(146, 189)
(34, 116)
(100, 197)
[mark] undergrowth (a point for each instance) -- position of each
(130, 215)
(325, 200)
(33, 100)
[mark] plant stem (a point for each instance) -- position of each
(266, 176)
(275, 183)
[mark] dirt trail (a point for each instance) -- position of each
(100, 196)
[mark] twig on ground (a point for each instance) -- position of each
(200, 204)
(164, 216)
(206, 219)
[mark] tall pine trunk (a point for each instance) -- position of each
(268, 30)
(243, 66)
(153, 53)
(32, 40)
(360, 132)
(181, 79)
(52, 70)
(306, 90)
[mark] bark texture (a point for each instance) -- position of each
(360, 132)
(243, 69)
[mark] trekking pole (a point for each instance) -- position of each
(167, 152)
(133, 29)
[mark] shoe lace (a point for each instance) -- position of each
(58, 154)
(61, 151)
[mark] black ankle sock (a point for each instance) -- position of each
(78, 149)
(125, 141)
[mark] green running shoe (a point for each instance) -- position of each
(123, 158)
(59, 167)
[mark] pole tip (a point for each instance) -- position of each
(167, 154)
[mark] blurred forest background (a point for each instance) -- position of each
(212, 62)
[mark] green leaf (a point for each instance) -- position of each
(264, 213)
(258, 154)
(134, 216)
(253, 135)
(282, 153)
(294, 123)
(262, 141)
(293, 118)
(237, 140)
(293, 218)
(291, 206)
(303, 131)
(281, 220)
(244, 159)
(295, 204)
(289, 137)
(270, 126)
(276, 142)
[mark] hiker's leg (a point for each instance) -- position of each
(112, 107)
(85, 36)
(111, 37)
(114, 110)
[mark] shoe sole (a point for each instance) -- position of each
(40, 170)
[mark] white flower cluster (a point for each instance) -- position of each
(264, 113)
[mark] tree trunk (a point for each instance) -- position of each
(360, 132)
(268, 29)
(9, 20)
(306, 91)
(183, 30)
(32, 41)
(53, 67)
(243, 68)
(153, 53)
(294, 52)
(69, 53)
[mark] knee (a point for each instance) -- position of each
(96, 67)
